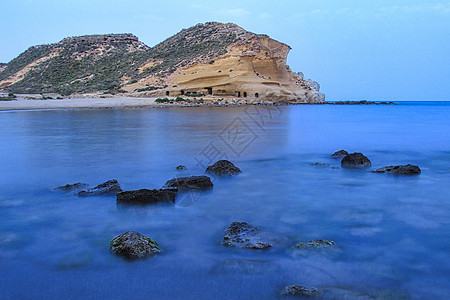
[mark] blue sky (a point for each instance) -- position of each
(355, 49)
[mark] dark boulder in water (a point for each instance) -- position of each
(190, 183)
(132, 244)
(355, 160)
(145, 196)
(181, 167)
(244, 235)
(399, 170)
(339, 154)
(108, 187)
(315, 244)
(73, 187)
(298, 290)
(223, 167)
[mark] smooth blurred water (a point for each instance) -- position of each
(393, 232)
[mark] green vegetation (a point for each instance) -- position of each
(10, 97)
(194, 94)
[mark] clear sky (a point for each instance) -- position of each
(355, 49)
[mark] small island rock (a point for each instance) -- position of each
(181, 167)
(108, 187)
(132, 244)
(355, 160)
(399, 170)
(339, 154)
(299, 290)
(73, 187)
(190, 183)
(223, 167)
(145, 196)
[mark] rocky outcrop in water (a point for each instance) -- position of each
(181, 167)
(315, 244)
(355, 160)
(72, 187)
(132, 244)
(244, 235)
(145, 196)
(339, 154)
(299, 290)
(223, 168)
(399, 170)
(190, 183)
(109, 187)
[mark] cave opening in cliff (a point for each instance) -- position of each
(239, 94)
(256, 95)
(167, 93)
(245, 94)
(209, 89)
(182, 92)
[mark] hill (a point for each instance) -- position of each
(213, 59)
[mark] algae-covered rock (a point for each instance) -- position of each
(355, 160)
(145, 196)
(132, 244)
(315, 244)
(223, 168)
(108, 187)
(190, 183)
(299, 290)
(399, 170)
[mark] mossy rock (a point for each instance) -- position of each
(132, 244)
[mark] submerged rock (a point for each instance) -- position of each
(223, 167)
(244, 235)
(72, 187)
(132, 244)
(190, 183)
(299, 290)
(181, 167)
(399, 170)
(319, 164)
(355, 160)
(109, 187)
(339, 154)
(145, 196)
(315, 244)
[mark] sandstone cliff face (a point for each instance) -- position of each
(212, 59)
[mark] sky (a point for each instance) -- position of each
(355, 49)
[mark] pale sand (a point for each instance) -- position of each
(26, 104)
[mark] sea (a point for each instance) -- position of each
(391, 232)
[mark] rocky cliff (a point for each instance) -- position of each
(212, 59)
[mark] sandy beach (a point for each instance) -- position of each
(27, 104)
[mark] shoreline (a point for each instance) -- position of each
(20, 103)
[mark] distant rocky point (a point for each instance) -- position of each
(207, 60)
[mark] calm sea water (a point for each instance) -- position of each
(393, 232)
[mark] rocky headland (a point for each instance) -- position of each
(208, 61)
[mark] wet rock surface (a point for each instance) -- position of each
(132, 244)
(339, 154)
(315, 244)
(108, 187)
(319, 164)
(355, 160)
(399, 170)
(145, 196)
(181, 167)
(72, 187)
(190, 183)
(223, 168)
(299, 290)
(244, 235)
